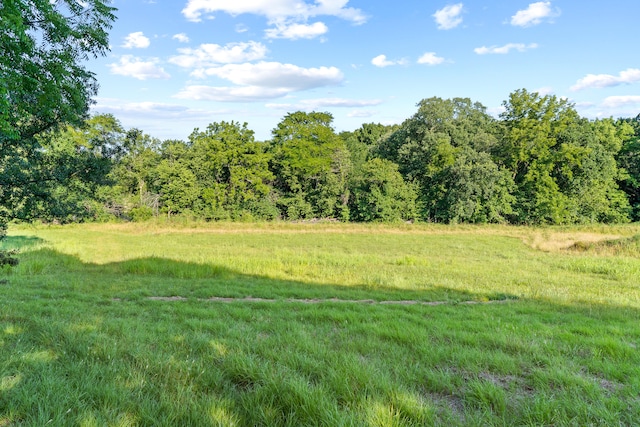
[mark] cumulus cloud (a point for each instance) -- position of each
(182, 38)
(163, 120)
(230, 94)
(361, 114)
(144, 108)
(545, 90)
(430, 58)
(449, 16)
(621, 100)
(628, 76)
(137, 68)
(502, 50)
(213, 54)
(296, 31)
(382, 61)
(136, 40)
(315, 104)
(261, 81)
(277, 75)
(275, 10)
(534, 14)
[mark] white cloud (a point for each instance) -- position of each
(231, 94)
(136, 40)
(296, 31)
(585, 104)
(277, 75)
(213, 54)
(275, 10)
(182, 38)
(496, 111)
(315, 104)
(382, 61)
(544, 91)
(361, 114)
(261, 81)
(430, 58)
(162, 120)
(520, 47)
(449, 16)
(144, 108)
(131, 66)
(620, 101)
(628, 76)
(534, 14)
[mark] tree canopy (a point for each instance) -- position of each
(43, 47)
(44, 85)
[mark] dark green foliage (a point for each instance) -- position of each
(629, 159)
(563, 166)
(379, 193)
(444, 149)
(475, 190)
(43, 47)
(311, 164)
(81, 159)
(230, 168)
(6, 257)
(43, 86)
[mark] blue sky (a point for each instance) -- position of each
(176, 65)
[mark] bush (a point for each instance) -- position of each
(142, 213)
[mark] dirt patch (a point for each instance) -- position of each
(329, 300)
(560, 241)
(503, 381)
(173, 298)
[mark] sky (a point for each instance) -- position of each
(178, 65)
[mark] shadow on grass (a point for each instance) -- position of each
(19, 242)
(134, 361)
(160, 277)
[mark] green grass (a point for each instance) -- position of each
(552, 338)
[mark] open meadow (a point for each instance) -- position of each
(320, 324)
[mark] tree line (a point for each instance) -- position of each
(539, 162)
(451, 162)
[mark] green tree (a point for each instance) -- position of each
(476, 190)
(311, 166)
(444, 149)
(379, 193)
(232, 169)
(530, 149)
(629, 160)
(363, 142)
(134, 173)
(80, 160)
(177, 185)
(563, 165)
(44, 84)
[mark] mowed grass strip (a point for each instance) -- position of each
(82, 343)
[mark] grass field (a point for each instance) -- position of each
(320, 325)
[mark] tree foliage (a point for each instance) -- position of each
(444, 148)
(379, 193)
(43, 47)
(43, 85)
(563, 166)
(311, 164)
(629, 161)
(230, 166)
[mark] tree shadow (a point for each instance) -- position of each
(105, 320)
(19, 242)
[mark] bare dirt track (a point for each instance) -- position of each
(327, 300)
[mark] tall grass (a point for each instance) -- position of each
(83, 343)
